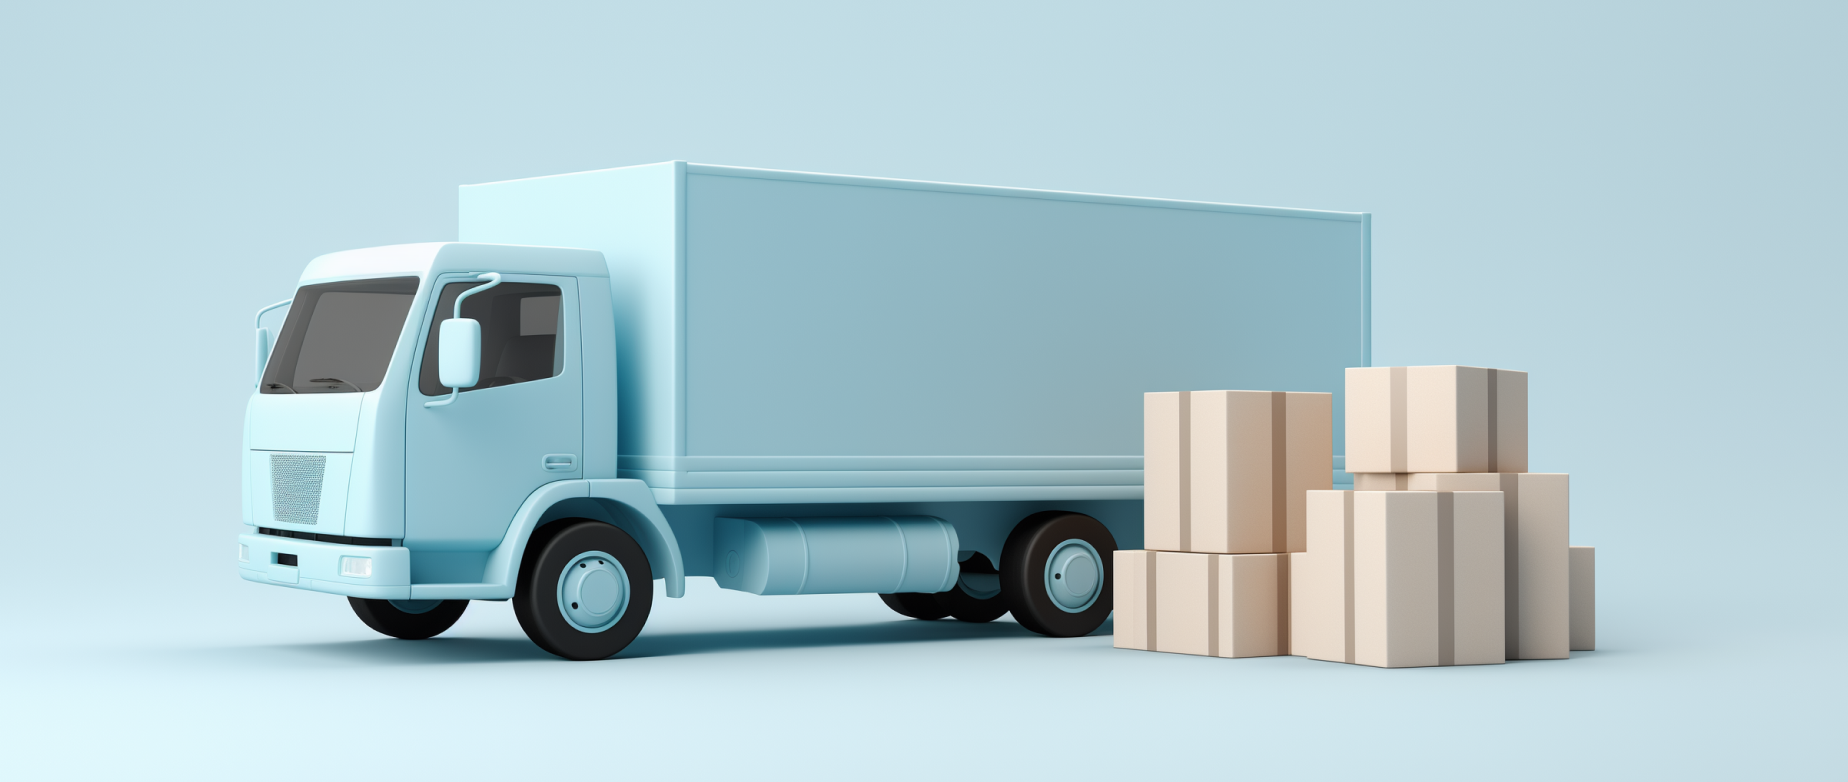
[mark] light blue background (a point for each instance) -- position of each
(1640, 204)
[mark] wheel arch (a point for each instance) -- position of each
(625, 504)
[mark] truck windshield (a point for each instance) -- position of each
(339, 336)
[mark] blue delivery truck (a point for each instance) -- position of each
(790, 383)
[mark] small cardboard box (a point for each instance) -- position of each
(1436, 419)
(1403, 579)
(1226, 471)
(1217, 605)
(1584, 562)
(1537, 523)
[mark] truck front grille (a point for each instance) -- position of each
(295, 486)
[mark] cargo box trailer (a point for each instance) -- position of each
(791, 383)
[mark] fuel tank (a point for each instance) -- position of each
(835, 555)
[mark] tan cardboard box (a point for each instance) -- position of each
(1537, 522)
(1436, 419)
(1217, 605)
(1403, 579)
(1584, 569)
(1133, 579)
(1225, 471)
(1253, 455)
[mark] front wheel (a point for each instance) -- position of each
(1055, 573)
(411, 620)
(585, 590)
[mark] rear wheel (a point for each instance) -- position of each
(585, 590)
(1055, 573)
(411, 620)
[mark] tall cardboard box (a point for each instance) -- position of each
(1537, 523)
(1584, 567)
(1403, 579)
(1226, 471)
(1218, 605)
(1436, 419)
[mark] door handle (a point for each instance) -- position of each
(560, 462)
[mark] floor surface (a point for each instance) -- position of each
(728, 685)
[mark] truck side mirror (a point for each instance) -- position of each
(458, 353)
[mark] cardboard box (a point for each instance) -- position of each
(1537, 523)
(1436, 419)
(1133, 589)
(1217, 605)
(1222, 605)
(1403, 579)
(1584, 561)
(1225, 471)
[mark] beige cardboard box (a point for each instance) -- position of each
(1225, 471)
(1436, 419)
(1537, 521)
(1403, 579)
(1133, 579)
(1217, 605)
(1584, 561)
(1222, 605)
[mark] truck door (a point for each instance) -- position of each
(469, 465)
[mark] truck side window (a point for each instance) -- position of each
(521, 330)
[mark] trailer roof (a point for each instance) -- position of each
(1006, 192)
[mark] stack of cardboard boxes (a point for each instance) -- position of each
(1446, 552)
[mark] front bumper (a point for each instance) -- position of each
(317, 566)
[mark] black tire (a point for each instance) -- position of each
(537, 600)
(959, 603)
(412, 624)
(917, 605)
(1026, 576)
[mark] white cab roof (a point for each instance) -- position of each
(425, 259)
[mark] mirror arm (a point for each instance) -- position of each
(283, 303)
(448, 400)
(493, 279)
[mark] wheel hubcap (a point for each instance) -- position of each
(1074, 576)
(593, 591)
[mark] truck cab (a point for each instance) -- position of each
(364, 476)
